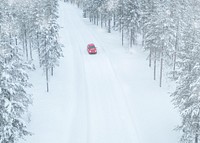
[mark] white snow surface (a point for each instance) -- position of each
(109, 97)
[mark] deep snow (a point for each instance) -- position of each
(109, 97)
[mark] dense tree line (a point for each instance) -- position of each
(26, 27)
(170, 32)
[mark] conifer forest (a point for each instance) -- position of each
(167, 30)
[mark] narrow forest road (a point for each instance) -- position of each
(101, 106)
(104, 98)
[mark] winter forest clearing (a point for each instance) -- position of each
(142, 86)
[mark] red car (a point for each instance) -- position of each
(91, 49)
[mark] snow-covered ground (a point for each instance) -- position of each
(109, 97)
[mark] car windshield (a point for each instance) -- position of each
(91, 47)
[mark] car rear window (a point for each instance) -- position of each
(91, 47)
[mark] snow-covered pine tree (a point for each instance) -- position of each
(180, 15)
(50, 47)
(106, 11)
(23, 22)
(186, 97)
(13, 96)
(103, 10)
(160, 34)
(92, 8)
(120, 18)
(146, 8)
(131, 20)
(14, 100)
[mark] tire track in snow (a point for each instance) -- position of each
(120, 87)
(114, 109)
(78, 130)
(84, 83)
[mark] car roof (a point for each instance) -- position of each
(91, 44)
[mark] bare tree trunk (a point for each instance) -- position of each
(101, 20)
(10, 36)
(131, 38)
(23, 45)
(47, 79)
(16, 43)
(26, 45)
(97, 18)
(109, 26)
(174, 64)
(30, 47)
(122, 36)
(176, 47)
(114, 21)
(52, 71)
(161, 66)
(38, 48)
(120, 25)
(143, 32)
(90, 17)
(47, 69)
(155, 65)
(196, 138)
(78, 4)
(150, 55)
(143, 39)
(84, 14)
(94, 17)
(197, 135)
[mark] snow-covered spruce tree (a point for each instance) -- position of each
(109, 10)
(38, 20)
(31, 28)
(3, 9)
(92, 9)
(159, 36)
(106, 12)
(124, 13)
(99, 9)
(119, 16)
(113, 4)
(14, 100)
(13, 96)
(86, 8)
(131, 20)
(146, 9)
(149, 36)
(176, 12)
(187, 94)
(30, 17)
(83, 4)
(50, 47)
(23, 23)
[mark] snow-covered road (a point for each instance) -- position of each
(106, 114)
(109, 97)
